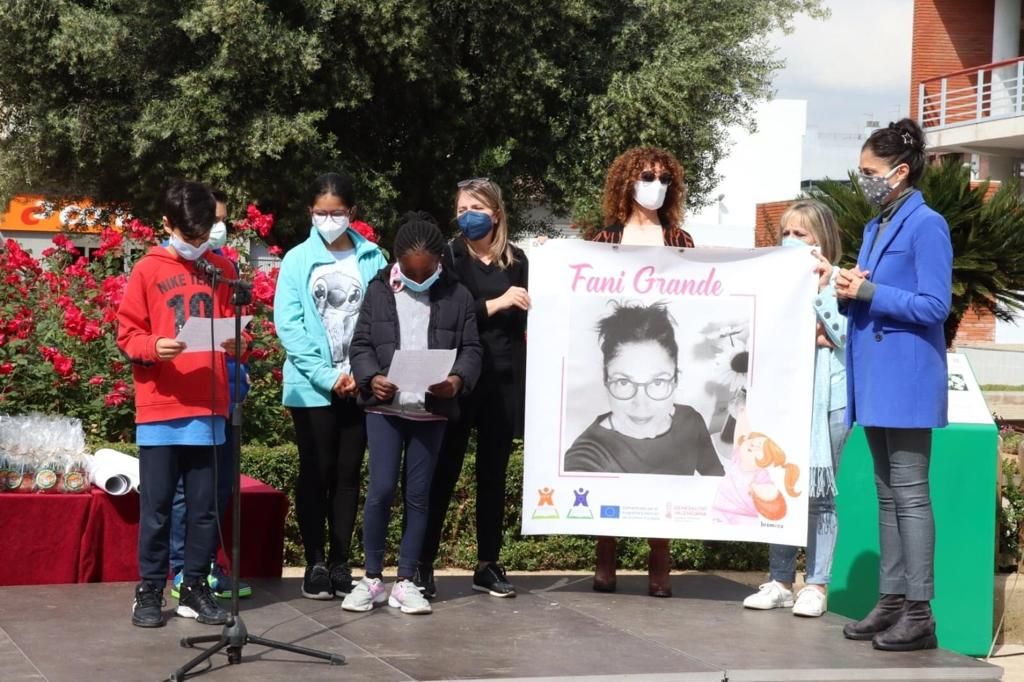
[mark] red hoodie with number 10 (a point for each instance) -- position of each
(163, 291)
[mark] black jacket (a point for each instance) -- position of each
(377, 337)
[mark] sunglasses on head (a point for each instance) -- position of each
(649, 176)
(472, 181)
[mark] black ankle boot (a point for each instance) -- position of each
(914, 630)
(885, 614)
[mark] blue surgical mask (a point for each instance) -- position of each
(218, 235)
(186, 250)
(420, 287)
(793, 241)
(475, 224)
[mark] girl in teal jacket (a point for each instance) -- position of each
(319, 292)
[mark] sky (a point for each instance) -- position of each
(850, 68)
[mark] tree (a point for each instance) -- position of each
(987, 236)
(110, 98)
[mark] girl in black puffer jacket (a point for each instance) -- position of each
(410, 305)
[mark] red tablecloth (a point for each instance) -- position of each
(57, 538)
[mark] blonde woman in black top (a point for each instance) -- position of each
(483, 259)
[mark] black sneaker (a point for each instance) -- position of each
(316, 584)
(147, 610)
(341, 579)
(424, 579)
(197, 601)
(491, 579)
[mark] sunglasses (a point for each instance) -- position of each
(472, 181)
(649, 176)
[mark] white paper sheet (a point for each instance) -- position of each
(196, 332)
(414, 371)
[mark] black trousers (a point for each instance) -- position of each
(331, 442)
(493, 409)
(160, 467)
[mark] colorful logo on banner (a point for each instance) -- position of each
(545, 508)
(580, 508)
(609, 511)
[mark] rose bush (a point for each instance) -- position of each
(58, 351)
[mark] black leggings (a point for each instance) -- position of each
(488, 408)
(331, 441)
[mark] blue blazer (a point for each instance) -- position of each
(896, 349)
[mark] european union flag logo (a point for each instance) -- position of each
(609, 511)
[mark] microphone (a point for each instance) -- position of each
(208, 269)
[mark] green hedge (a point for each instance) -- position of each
(278, 467)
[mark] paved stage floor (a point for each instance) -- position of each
(556, 629)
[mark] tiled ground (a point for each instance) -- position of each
(557, 628)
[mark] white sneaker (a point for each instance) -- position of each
(365, 594)
(810, 602)
(771, 595)
(407, 597)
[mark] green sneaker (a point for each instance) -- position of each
(176, 584)
(220, 583)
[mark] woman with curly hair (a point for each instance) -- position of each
(643, 205)
(643, 200)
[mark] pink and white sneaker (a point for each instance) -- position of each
(366, 593)
(407, 597)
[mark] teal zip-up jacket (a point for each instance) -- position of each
(309, 373)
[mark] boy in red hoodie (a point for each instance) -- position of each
(181, 402)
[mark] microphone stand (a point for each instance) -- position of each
(234, 635)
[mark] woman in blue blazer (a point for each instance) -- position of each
(897, 299)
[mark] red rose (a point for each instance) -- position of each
(276, 373)
(64, 365)
(276, 251)
(96, 381)
(6, 368)
(113, 399)
(366, 230)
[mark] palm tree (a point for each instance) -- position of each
(987, 236)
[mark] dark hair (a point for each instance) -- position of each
(636, 323)
(335, 184)
(190, 207)
(900, 142)
(418, 232)
(219, 196)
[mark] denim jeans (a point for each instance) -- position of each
(821, 524)
(225, 481)
(388, 437)
(906, 527)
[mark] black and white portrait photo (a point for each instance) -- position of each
(651, 386)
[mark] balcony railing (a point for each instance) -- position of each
(981, 93)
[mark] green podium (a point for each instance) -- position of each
(964, 496)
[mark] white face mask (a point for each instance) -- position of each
(650, 195)
(218, 235)
(330, 228)
(186, 250)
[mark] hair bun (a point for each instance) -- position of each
(417, 217)
(910, 132)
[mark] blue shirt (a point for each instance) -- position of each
(185, 431)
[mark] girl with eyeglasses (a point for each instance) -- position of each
(495, 271)
(643, 204)
(319, 292)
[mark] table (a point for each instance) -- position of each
(50, 538)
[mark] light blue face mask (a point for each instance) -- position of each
(186, 250)
(793, 241)
(420, 287)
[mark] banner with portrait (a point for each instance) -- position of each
(669, 392)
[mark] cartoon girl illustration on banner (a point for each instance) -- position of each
(645, 431)
(749, 491)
